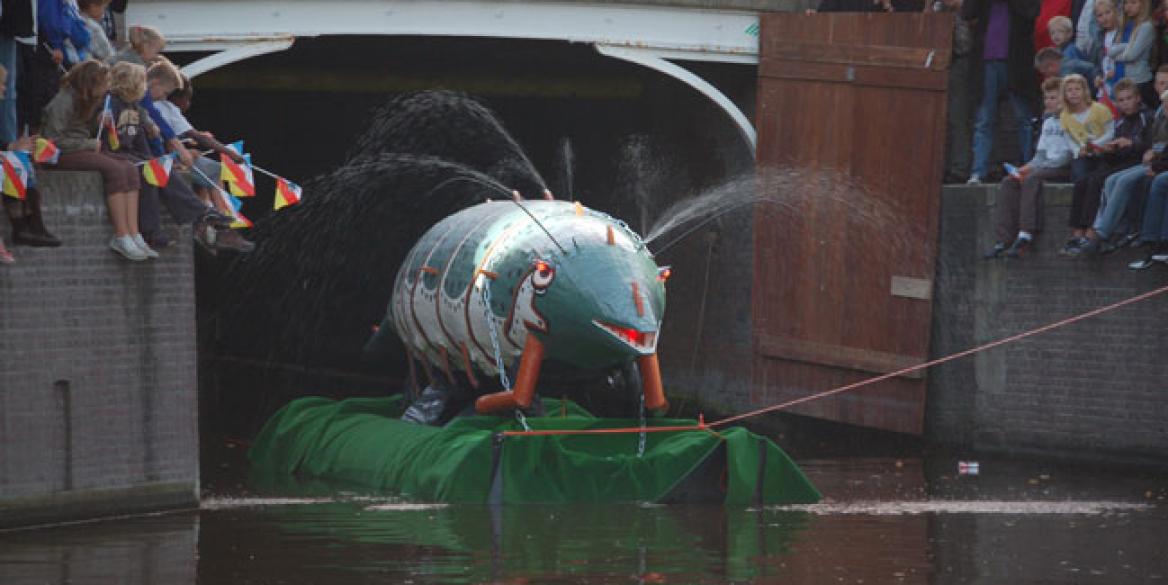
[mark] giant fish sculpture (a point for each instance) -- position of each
(535, 280)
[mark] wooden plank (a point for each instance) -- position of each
(875, 55)
(868, 75)
(839, 356)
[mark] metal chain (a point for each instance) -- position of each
(498, 353)
(522, 419)
(641, 441)
(494, 334)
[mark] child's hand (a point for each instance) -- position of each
(184, 157)
(1023, 171)
(22, 143)
(1120, 143)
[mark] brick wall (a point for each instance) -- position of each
(1097, 389)
(97, 370)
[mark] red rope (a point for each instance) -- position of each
(702, 426)
(938, 361)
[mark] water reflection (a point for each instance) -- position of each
(886, 521)
(139, 551)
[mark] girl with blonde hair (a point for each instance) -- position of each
(72, 120)
(1131, 49)
(1088, 124)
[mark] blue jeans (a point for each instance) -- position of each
(1118, 189)
(1155, 228)
(8, 129)
(996, 82)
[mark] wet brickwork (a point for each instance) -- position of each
(97, 369)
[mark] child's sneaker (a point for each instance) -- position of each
(125, 246)
(1019, 247)
(995, 252)
(1159, 252)
(229, 239)
(974, 180)
(142, 245)
(1143, 263)
(1071, 248)
(1091, 246)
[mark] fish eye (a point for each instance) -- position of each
(542, 275)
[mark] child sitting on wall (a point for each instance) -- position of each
(1123, 152)
(72, 119)
(1018, 209)
(130, 82)
(173, 110)
(1088, 125)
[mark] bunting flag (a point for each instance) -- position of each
(108, 125)
(15, 175)
(236, 206)
(45, 152)
(239, 177)
(287, 193)
(29, 175)
(157, 171)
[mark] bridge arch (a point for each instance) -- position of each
(648, 36)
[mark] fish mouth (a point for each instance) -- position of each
(643, 342)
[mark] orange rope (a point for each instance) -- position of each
(702, 426)
(948, 358)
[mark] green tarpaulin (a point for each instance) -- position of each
(359, 443)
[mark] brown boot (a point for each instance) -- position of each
(28, 228)
(27, 231)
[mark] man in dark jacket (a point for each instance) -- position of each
(1004, 35)
(16, 21)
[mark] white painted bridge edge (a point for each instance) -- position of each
(649, 36)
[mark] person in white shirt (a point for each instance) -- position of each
(1018, 206)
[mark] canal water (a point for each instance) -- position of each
(883, 520)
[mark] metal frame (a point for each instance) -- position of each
(650, 59)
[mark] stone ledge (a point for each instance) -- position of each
(1057, 194)
(94, 504)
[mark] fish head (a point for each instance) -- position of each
(597, 303)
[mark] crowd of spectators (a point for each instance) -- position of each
(1102, 66)
(1103, 127)
(71, 71)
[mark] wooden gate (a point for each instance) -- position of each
(851, 122)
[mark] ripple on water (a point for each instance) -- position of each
(874, 508)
